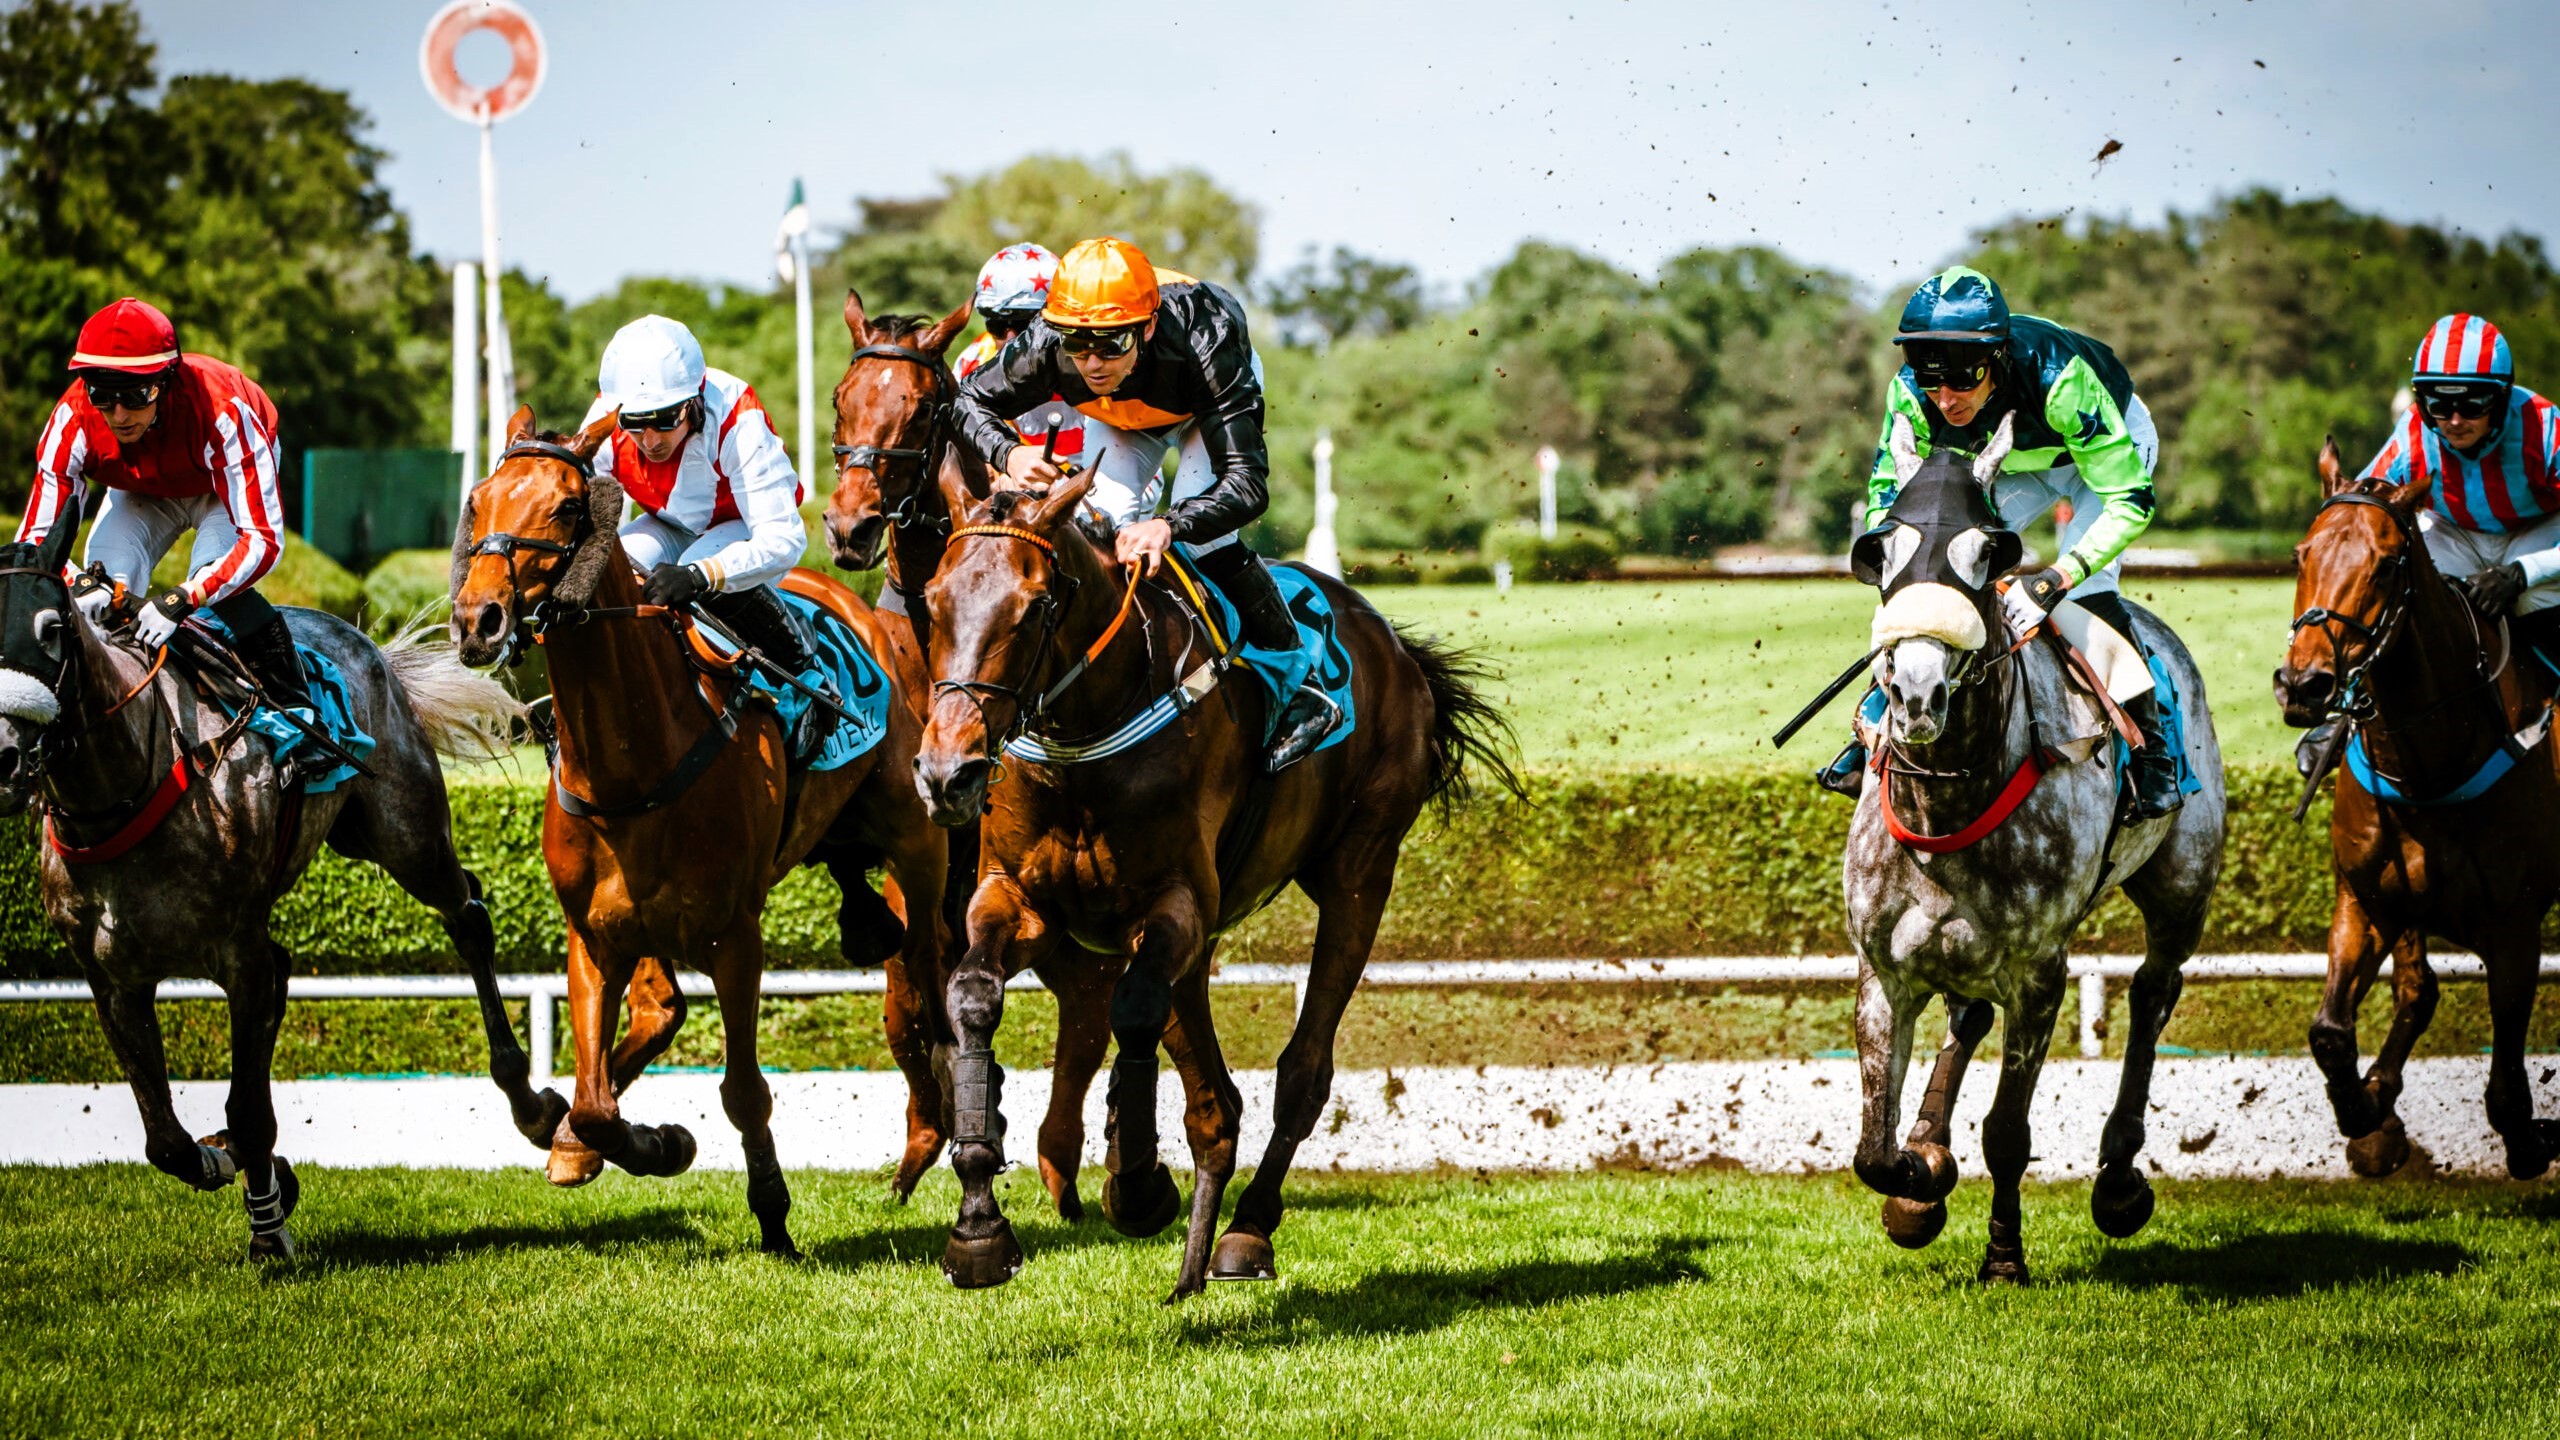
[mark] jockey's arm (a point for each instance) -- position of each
(62, 460)
(1016, 380)
(2092, 425)
(2543, 416)
(768, 493)
(1882, 483)
(1231, 429)
(252, 498)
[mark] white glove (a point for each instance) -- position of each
(94, 603)
(2022, 614)
(160, 619)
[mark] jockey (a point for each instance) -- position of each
(179, 442)
(1012, 286)
(1157, 362)
(720, 505)
(2492, 449)
(2080, 435)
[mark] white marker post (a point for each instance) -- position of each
(1323, 553)
(1547, 462)
(791, 261)
(484, 108)
(466, 373)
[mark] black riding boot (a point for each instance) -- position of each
(1847, 772)
(2155, 770)
(1310, 715)
(260, 639)
(758, 617)
(2537, 637)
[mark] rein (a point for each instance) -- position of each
(1027, 713)
(909, 510)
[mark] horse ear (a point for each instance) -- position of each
(55, 552)
(853, 317)
(1905, 449)
(945, 330)
(1060, 502)
(2333, 470)
(520, 427)
(592, 439)
(1986, 468)
(1866, 556)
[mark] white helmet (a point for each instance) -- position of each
(652, 363)
(1015, 280)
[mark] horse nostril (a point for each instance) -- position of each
(491, 622)
(2315, 688)
(8, 761)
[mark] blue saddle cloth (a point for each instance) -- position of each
(860, 685)
(336, 718)
(2173, 729)
(1319, 656)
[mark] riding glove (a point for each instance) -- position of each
(160, 619)
(2496, 588)
(95, 596)
(673, 586)
(2032, 597)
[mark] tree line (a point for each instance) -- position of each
(1730, 396)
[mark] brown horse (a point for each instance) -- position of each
(2430, 695)
(900, 476)
(1155, 853)
(681, 808)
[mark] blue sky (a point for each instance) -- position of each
(1864, 136)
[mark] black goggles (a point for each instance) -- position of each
(661, 420)
(2468, 404)
(1114, 343)
(1943, 370)
(123, 394)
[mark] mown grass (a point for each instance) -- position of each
(1706, 1304)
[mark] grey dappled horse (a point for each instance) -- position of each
(1988, 923)
(92, 731)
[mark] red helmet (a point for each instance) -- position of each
(131, 336)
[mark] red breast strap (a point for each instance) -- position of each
(2012, 795)
(173, 787)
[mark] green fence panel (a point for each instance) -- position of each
(359, 505)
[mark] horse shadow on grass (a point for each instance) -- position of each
(1413, 1301)
(359, 1245)
(2277, 1265)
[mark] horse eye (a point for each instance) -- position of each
(48, 627)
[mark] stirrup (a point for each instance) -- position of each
(1847, 772)
(1310, 717)
(2306, 751)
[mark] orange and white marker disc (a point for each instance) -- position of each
(465, 100)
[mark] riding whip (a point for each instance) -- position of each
(1829, 693)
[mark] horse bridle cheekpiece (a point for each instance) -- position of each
(505, 544)
(937, 418)
(2348, 697)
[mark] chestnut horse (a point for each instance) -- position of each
(900, 474)
(686, 810)
(1153, 854)
(2431, 696)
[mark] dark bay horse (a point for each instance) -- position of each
(688, 811)
(901, 474)
(1142, 861)
(2431, 695)
(1940, 905)
(170, 835)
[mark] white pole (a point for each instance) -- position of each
(808, 363)
(502, 363)
(1323, 551)
(466, 372)
(1547, 462)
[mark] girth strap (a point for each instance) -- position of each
(2492, 770)
(666, 791)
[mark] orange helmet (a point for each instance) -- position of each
(1102, 284)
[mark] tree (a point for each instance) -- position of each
(1349, 294)
(1180, 218)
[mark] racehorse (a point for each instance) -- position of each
(672, 808)
(1978, 845)
(2441, 822)
(900, 477)
(170, 834)
(1155, 853)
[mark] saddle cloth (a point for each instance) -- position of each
(842, 664)
(321, 771)
(1319, 657)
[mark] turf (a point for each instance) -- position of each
(1632, 675)
(1701, 1304)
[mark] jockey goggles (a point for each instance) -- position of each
(2469, 402)
(1951, 367)
(1114, 342)
(660, 420)
(122, 392)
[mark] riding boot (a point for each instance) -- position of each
(2155, 770)
(2537, 635)
(1242, 577)
(758, 617)
(1310, 717)
(1847, 772)
(271, 655)
(2306, 751)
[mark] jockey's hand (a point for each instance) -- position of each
(1024, 470)
(160, 619)
(1143, 544)
(2494, 589)
(94, 595)
(2030, 598)
(673, 586)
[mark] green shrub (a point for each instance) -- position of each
(1413, 567)
(303, 576)
(406, 584)
(1579, 552)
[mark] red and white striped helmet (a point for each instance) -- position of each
(1015, 280)
(131, 336)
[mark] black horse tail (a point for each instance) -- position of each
(1468, 735)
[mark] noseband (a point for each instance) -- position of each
(936, 414)
(2348, 697)
(1027, 711)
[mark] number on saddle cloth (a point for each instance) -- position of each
(844, 666)
(1319, 659)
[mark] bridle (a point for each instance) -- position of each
(63, 734)
(1052, 605)
(937, 418)
(2351, 697)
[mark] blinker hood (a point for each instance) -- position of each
(1921, 540)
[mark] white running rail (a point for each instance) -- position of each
(545, 992)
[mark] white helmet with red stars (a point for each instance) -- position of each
(1015, 280)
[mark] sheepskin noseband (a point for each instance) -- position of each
(24, 697)
(1930, 611)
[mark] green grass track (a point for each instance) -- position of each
(1699, 1304)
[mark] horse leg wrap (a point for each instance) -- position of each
(977, 1094)
(219, 1167)
(266, 1211)
(1133, 1106)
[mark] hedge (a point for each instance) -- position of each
(1602, 864)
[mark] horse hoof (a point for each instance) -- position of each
(1242, 1256)
(980, 1264)
(1937, 1171)
(2121, 1203)
(2002, 1267)
(2378, 1153)
(2530, 1153)
(572, 1163)
(675, 1150)
(544, 1127)
(270, 1248)
(1911, 1224)
(1141, 1206)
(1070, 1204)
